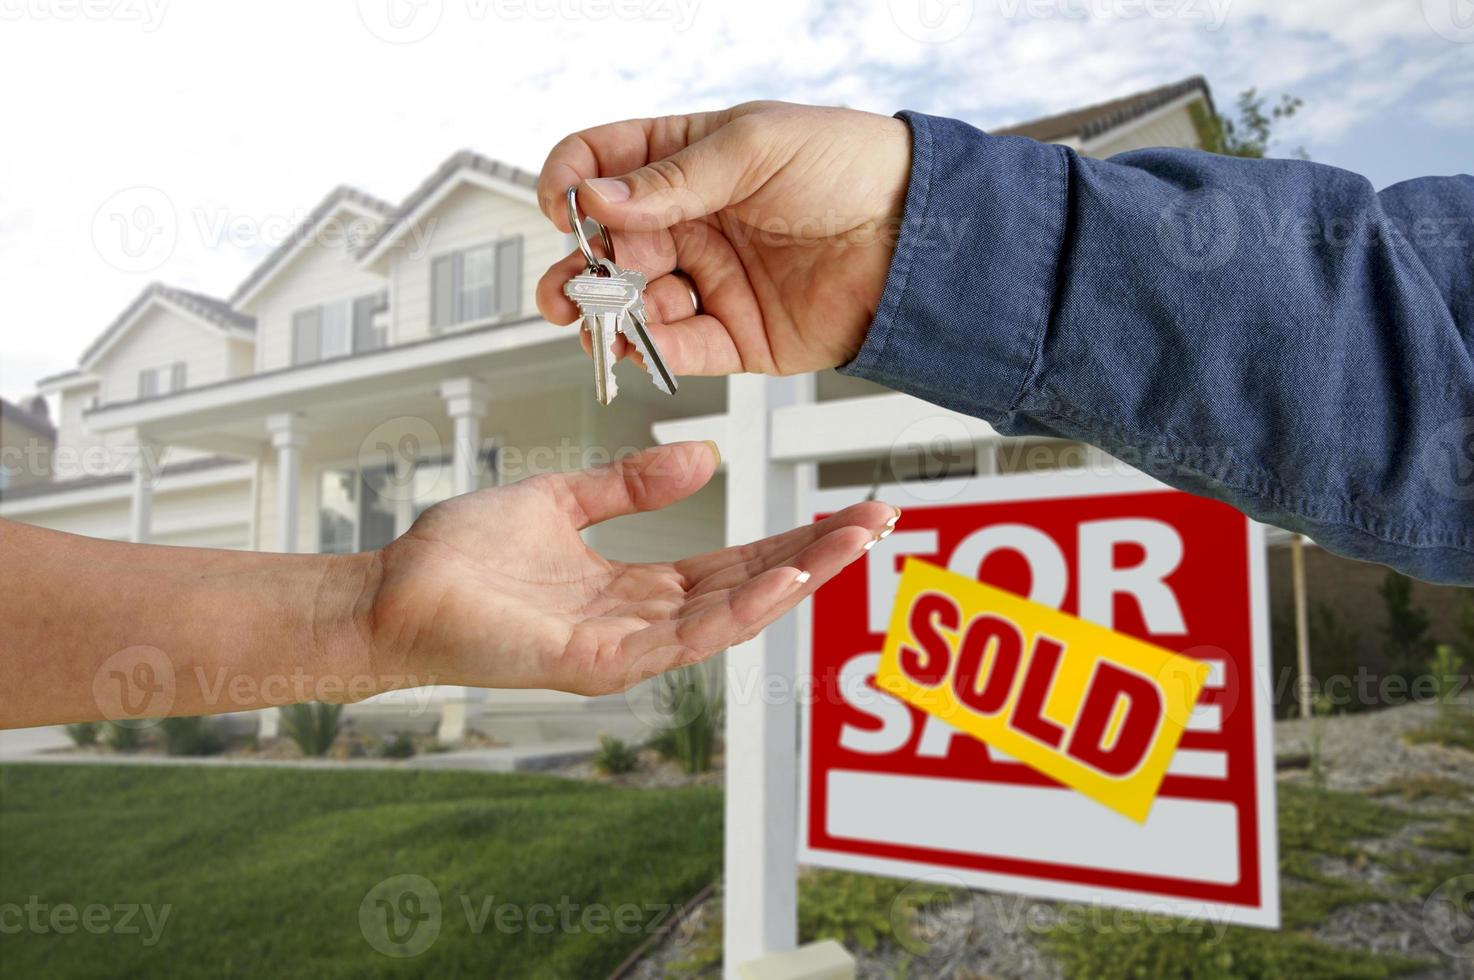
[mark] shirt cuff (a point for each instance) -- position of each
(972, 281)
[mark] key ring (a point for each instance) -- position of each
(583, 241)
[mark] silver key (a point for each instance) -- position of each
(604, 301)
(636, 329)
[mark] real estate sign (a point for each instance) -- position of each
(889, 789)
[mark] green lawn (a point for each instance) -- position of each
(265, 870)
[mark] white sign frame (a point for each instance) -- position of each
(1046, 486)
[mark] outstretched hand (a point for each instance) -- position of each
(498, 589)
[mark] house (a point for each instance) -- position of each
(386, 356)
(27, 440)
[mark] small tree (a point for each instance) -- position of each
(313, 726)
(1251, 134)
(1405, 639)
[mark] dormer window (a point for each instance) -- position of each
(165, 380)
(476, 285)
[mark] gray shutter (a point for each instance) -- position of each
(177, 376)
(509, 276)
(443, 291)
(148, 383)
(364, 335)
(307, 336)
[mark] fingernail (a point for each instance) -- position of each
(887, 532)
(610, 189)
(801, 578)
(717, 454)
(895, 517)
(869, 544)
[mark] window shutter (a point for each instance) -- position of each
(176, 376)
(148, 384)
(443, 291)
(509, 277)
(307, 336)
(365, 337)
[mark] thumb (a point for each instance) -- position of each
(695, 181)
(648, 480)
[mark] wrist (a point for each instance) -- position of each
(342, 626)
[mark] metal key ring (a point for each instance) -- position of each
(583, 241)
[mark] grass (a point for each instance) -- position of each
(1451, 728)
(265, 869)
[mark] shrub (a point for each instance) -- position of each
(692, 703)
(123, 737)
(1405, 639)
(84, 733)
(191, 736)
(313, 726)
(397, 746)
(615, 756)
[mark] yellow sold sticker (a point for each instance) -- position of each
(1099, 711)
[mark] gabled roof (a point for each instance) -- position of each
(215, 313)
(338, 198)
(1091, 121)
(458, 164)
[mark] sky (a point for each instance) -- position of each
(221, 125)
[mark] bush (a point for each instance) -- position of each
(122, 737)
(1405, 639)
(397, 746)
(313, 726)
(191, 736)
(615, 756)
(84, 733)
(692, 702)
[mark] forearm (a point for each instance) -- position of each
(1271, 333)
(93, 629)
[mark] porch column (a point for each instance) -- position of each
(465, 401)
(147, 465)
(288, 437)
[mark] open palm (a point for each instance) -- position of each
(498, 589)
(784, 217)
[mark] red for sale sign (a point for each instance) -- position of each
(889, 789)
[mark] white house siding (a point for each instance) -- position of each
(470, 215)
(1174, 128)
(216, 516)
(322, 272)
(159, 339)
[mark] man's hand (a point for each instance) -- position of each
(784, 217)
(497, 588)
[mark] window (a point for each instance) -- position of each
(476, 284)
(357, 507)
(340, 328)
(165, 380)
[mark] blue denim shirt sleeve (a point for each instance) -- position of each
(1272, 333)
